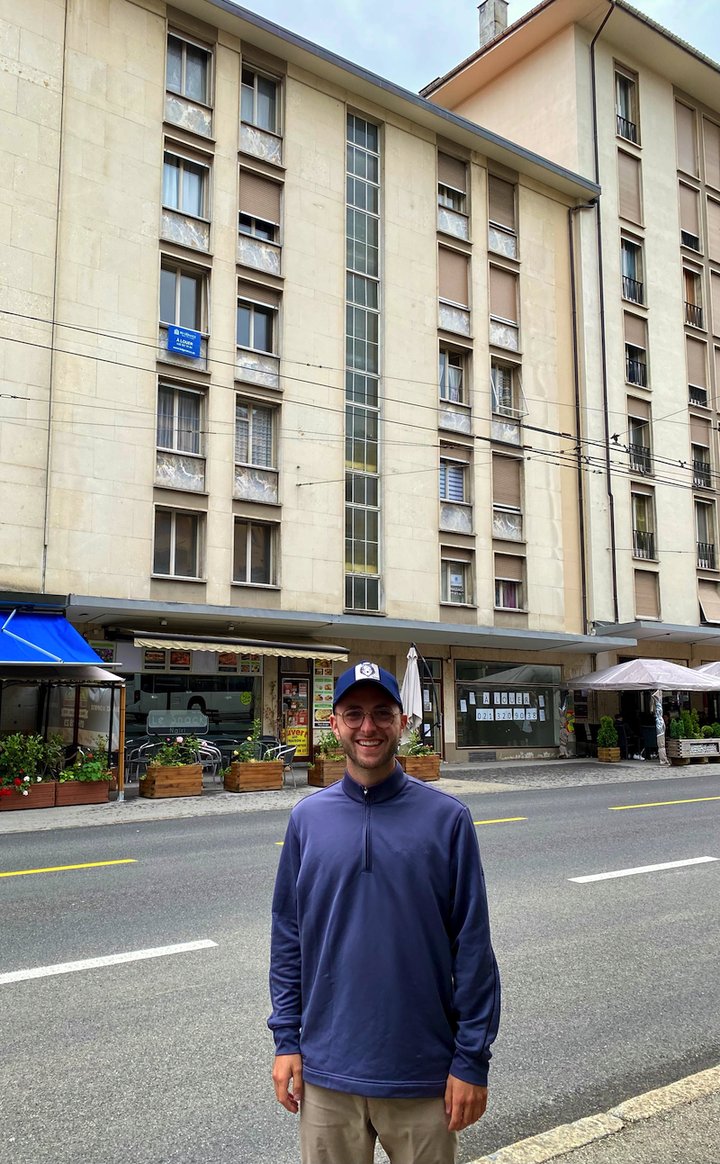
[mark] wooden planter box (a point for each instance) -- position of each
(608, 755)
(681, 752)
(39, 796)
(261, 776)
(182, 780)
(325, 772)
(421, 767)
(81, 792)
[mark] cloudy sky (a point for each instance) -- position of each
(413, 41)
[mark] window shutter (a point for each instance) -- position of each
(453, 276)
(509, 566)
(629, 196)
(635, 331)
(711, 140)
(262, 435)
(689, 216)
(709, 598)
(452, 172)
(696, 362)
(257, 294)
(685, 130)
(503, 294)
(259, 197)
(700, 431)
(647, 604)
(501, 200)
(713, 227)
(638, 408)
(507, 481)
(715, 302)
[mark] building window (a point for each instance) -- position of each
(504, 316)
(629, 188)
(185, 186)
(453, 485)
(254, 435)
(256, 326)
(632, 271)
(253, 552)
(702, 470)
(643, 525)
(502, 233)
(696, 355)
(689, 217)
(692, 284)
(179, 420)
(456, 579)
(259, 207)
(504, 390)
(509, 574)
(452, 376)
(183, 294)
(452, 184)
(705, 535)
(635, 365)
(177, 549)
(188, 70)
(626, 107)
(686, 139)
(260, 105)
(639, 436)
(647, 594)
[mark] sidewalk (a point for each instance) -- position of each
(678, 1124)
(458, 779)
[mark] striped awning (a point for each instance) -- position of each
(306, 650)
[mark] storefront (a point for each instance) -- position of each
(500, 705)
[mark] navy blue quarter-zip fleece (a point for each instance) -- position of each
(382, 973)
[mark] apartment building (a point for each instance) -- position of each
(603, 90)
(287, 377)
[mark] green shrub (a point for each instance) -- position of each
(607, 736)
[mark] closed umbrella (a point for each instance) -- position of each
(411, 691)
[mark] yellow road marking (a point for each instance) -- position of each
(280, 843)
(662, 803)
(500, 820)
(62, 868)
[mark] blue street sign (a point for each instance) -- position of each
(184, 340)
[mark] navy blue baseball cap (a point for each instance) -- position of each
(366, 673)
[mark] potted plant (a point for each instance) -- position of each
(419, 759)
(684, 731)
(607, 741)
(87, 779)
(247, 773)
(328, 764)
(28, 764)
(174, 769)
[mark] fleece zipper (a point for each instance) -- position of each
(366, 855)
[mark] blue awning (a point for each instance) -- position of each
(32, 637)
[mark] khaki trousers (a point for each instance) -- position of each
(337, 1128)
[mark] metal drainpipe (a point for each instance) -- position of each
(572, 211)
(603, 345)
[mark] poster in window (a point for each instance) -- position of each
(484, 713)
(227, 661)
(496, 697)
(526, 698)
(250, 665)
(511, 698)
(504, 699)
(180, 660)
(531, 713)
(105, 650)
(519, 713)
(322, 695)
(486, 697)
(154, 660)
(503, 713)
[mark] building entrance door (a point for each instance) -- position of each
(295, 714)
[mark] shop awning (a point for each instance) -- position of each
(34, 638)
(306, 650)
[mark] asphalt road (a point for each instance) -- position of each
(611, 986)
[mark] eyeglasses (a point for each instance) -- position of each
(382, 717)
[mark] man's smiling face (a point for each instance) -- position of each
(370, 746)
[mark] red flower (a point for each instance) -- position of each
(17, 781)
(5, 791)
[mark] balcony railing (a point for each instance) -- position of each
(633, 289)
(706, 555)
(636, 372)
(626, 129)
(643, 543)
(640, 458)
(702, 474)
(693, 314)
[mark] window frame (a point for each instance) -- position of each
(630, 79)
(634, 247)
(449, 464)
(184, 160)
(177, 391)
(644, 545)
(707, 507)
(445, 388)
(256, 307)
(272, 529)
(260, 74)
(202, 276)
(448, 563)
(187, 41)
(199, 517)
(252, 406)
(501, 585)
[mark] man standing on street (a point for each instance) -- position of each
(385, 990)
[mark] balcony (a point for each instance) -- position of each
(626, 129)
(643, 544)
(636, 372)
(693, 314)
(633, 289)
(640, 458)
(702, 474)
(706, 555)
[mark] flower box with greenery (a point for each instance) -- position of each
(419, 759)
(174, 769)
(328, 764)
(607, 741)
(28, 767)
(87, 780)
(688, 741)
(247, 773)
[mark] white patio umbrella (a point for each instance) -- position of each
(645, 675)
(712, 669)
(411, 691)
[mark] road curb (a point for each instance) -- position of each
(558, 1142)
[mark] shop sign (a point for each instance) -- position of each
(184, 341)
(180, 660)
(322, 695)
(154, 660)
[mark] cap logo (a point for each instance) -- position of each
(367, 671)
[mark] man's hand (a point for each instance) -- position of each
(287, 1069)
(464, 1103)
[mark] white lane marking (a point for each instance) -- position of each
(642, 869)
(106, 960)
